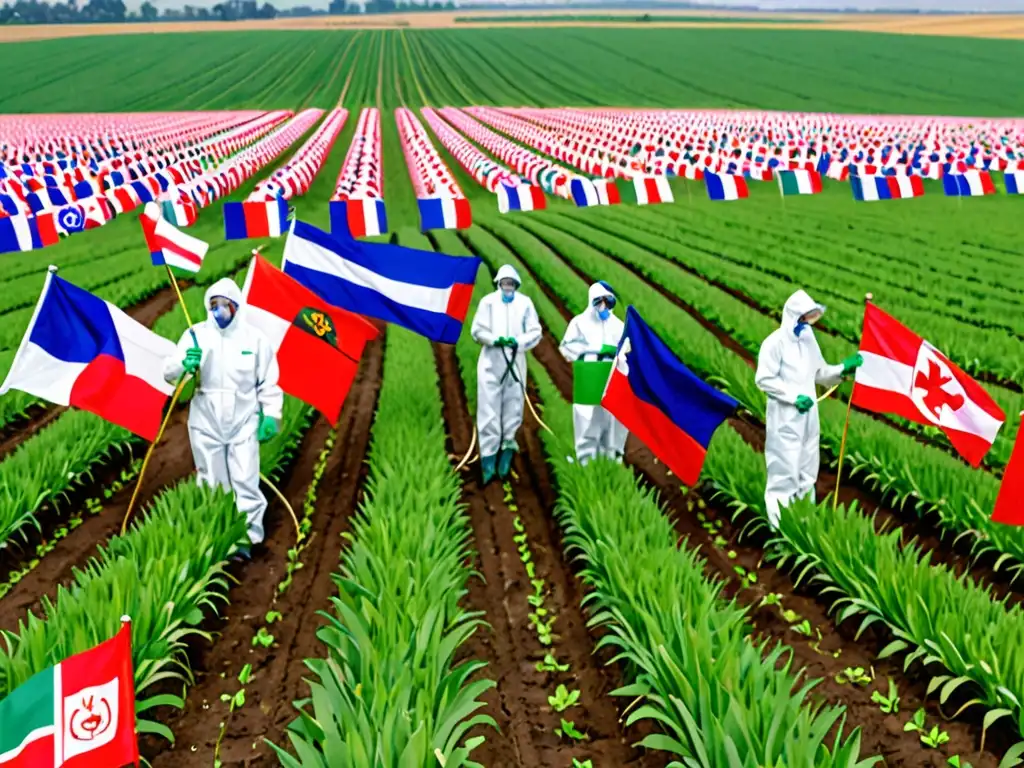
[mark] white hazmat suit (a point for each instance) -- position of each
(789, 365)
(597, 432)
(501, 387)
(237, 382)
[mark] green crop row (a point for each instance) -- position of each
(390, 690)
(167, 573)
(718, 697)
(896, 466)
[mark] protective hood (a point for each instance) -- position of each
(507, 270)
(798, 305)
(597, 291)
(227, 288)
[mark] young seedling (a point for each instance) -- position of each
(956, 762)
(802, 628)
(585, 764)
(236, 700)
(569, 730)
(934, 738)
(263, 638)
(854, 675)
(772, 598)
(563, 699)
(890, 704)
(916, 723)
(272, 616)
(550, 664)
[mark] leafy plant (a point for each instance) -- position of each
(854, 675)
(563, 699)
(570, 731)
(934, 738)
(916, 723)
(888, 703)
(550, 664)
(263, 638)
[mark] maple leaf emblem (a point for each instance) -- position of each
(935, 396)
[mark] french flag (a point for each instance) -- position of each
(583, 192)
(82, 351)
(444, 213)
(266, 218)
(661, 401)
(358, 218)
(970, 183)
(27, 233)
(525, 197)
(428, 293)
(1014, 182)
(872, 188)
(168, 245)
(725, 186)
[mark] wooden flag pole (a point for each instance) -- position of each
(846, 429)
(149, 452)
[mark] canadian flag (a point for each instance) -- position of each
(904, 375)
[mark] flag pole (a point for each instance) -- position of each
(149, 452)
(846, 429)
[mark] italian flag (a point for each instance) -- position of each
(78, 714)
(799, 182)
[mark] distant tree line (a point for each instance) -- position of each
(101, 11)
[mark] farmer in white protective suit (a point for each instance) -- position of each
(594, 335)
(237, 403)
(507, 326)
(789, 365)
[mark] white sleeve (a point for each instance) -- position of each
(574, 343)
(174, 365)
(769, 367)
(481, 329)
(532, 333)
(269, 394)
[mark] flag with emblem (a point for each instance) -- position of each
(77, 714)
(318, 345)
(905, 375)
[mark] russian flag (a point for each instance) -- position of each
(82, 351)
(725, 186)
(661, 401)
(444, 213)
(27, 233)
(1014, 182)
(358, 218)
(968, 184)
(525, 197)
(266, 218)
(168, 245)
(872, 188)
(428, 293)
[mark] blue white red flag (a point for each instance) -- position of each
(661, 401)
(265, 218)
(27, 233)
(358, 218)
(428, 293)
(82, 351)
(524, 197)
(970, 183)
(873, 188)
(723, 186)
(1014, 182)
(444, 213)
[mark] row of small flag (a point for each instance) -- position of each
(357, 205)
(441, 202)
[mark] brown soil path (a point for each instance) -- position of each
(278, 671)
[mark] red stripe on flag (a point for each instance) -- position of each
(651, 186)
(47, 227)
(257, 223)
(35, 754)
(987, 186)
(356, 221)
(463, 213)
(815, 181)
(1009, 508)
(458, 301)
(917, 184)
(884, 335)
(894, 187)
(680, 452)
(104, 388)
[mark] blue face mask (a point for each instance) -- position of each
(507, 296)
(604, 314)
(799, 328)
(223, 316)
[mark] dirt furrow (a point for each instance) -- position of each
(278, 670)
(512, 649)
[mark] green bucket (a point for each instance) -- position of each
(589, 378)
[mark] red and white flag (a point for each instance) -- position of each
(1010, 501)
(905, 375)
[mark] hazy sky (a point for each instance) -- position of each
(931, 5)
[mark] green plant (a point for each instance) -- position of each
(234, 701)
(934, 738)
(582, 764)
(550, 664)
(568, 729)
(916, 723)
(956, 762)
(855, 676)
(888, 703)
(262, 638)
(563, 699)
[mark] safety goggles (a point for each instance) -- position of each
(217, 302)
(608, 301)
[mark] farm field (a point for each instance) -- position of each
(600, 615)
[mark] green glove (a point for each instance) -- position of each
(608, 350)
(804, 403)
(503, 341)
(192, 360)
(852, 363)
(267, 428)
